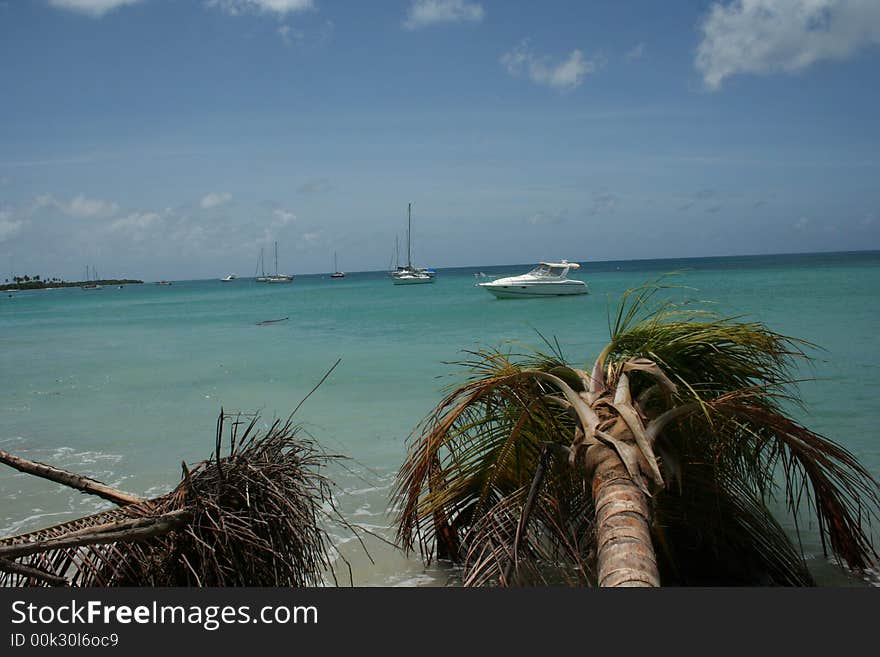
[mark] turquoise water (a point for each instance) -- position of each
(123, 384)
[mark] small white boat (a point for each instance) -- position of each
(336, 273)
(91, 284)
(410, 275)
(229, 278)
(276, 277)
(260, 273)
(548, 279)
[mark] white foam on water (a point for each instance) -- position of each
(38, 493)
(364, 491)
(422, 579)
(70, 455)
(373, 528)
(30, 522)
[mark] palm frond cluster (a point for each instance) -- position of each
(251, 517)
(693, 408)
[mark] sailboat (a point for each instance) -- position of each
(410, 275)
(91, 284)
(336, 273)
(276, 277)
(261, 268)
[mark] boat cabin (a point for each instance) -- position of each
(554, 269)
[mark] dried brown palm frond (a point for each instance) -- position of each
(251, 517)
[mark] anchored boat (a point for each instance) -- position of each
(548, 279)
(410, 275)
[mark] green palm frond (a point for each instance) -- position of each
(479, 446)
(814, 471)
(741, 373)
(695, 406)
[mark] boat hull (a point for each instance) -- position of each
(412, 280)
(534, 290)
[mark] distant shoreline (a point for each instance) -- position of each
(48, 285)
(589, 264)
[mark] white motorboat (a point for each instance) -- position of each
(229, 279)
(548, 279)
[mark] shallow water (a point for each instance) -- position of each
(123, 384)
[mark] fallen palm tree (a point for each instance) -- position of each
(663, 463)
(251, 517)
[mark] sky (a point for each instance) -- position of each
(175, 139)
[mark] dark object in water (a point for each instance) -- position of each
(272, 321)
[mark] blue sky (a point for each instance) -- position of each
(172, 139)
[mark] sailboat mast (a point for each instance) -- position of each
(276, 258)
(262, 263)
(408, 235)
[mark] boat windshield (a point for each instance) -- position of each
(546, 271)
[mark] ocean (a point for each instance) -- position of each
(124, 384)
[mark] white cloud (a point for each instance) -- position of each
(541, 218)
(215, 199)
(282, 217)
(280, 7)
(423, 13)
(771, 36)
(636, 51)
(802, 223)
(94, 8)
(311, 237)
(316, 186)
(288, 35)
(137, 221)
(9, 227)
(603, 202)
(79, 206)
(564, 76)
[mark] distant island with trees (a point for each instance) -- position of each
(38, 283)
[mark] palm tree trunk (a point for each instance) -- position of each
(85, 484)
(625, 552)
